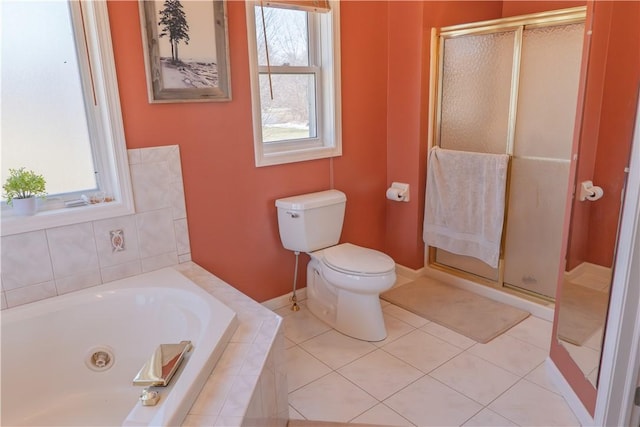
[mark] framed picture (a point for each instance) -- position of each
(186, 50)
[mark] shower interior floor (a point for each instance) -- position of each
(422, 374)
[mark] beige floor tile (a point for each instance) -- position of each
(448, 335)
(595, 340)
(294, 415)
(486, 418)
(511, 354)
(336, 349)
(586, 358)
(382, 415)
(533, 330)
(422, 350)
(529, 404)
(542, 377)
(380, 374)
(395, 329)
(428, 402)
(475, 378)
(302, 368)
(405, 315)
(464, 375)
(331, 398)
(302, 325)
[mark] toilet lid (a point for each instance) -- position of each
(355, 259)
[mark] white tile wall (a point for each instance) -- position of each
(45, 263)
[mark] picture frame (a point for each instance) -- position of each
(186, 50)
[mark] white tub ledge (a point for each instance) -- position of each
(248, 386)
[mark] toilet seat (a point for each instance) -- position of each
(351, 259)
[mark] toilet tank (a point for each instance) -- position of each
(313, 221)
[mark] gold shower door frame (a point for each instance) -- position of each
(517, 25)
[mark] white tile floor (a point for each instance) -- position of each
(421, 375)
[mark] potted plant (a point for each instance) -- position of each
(21, 189)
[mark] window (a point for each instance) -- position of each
(61, 110)
(294, 59)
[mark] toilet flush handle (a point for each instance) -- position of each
(293, 214)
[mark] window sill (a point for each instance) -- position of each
(283, 157)
(12, 224)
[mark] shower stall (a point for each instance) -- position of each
(511, 86)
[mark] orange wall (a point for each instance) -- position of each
(230, 202)
(620, 94)
(523, 7)
(612, 91)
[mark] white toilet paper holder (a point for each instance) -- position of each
(399, 192)
(590, 192)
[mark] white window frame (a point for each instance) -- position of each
(324, 41)
(91, 26)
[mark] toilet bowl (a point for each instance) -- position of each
(344, 281)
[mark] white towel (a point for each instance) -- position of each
(464, 204)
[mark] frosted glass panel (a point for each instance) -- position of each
(534, 227)
(548, 92)
(475, 92)
(44, 125)
(466, 263)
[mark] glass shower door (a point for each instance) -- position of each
(515, 91)
(474, 116)
(547, 101)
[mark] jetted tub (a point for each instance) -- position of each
(49, 378)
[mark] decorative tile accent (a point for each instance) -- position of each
(102, 234)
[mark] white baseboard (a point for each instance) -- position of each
(285, 300)
(569, 395)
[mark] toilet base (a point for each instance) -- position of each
(356, 315)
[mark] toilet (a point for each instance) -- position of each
(344, 281)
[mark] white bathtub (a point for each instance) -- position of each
(45, 346)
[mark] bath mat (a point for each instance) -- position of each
(471, 315)
(582, 312)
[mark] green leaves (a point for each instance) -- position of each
(22, 184)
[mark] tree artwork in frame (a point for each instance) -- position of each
(186, 50)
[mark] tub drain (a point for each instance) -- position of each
(99, 358)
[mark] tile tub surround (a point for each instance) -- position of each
(248, 386)
(45, 263)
